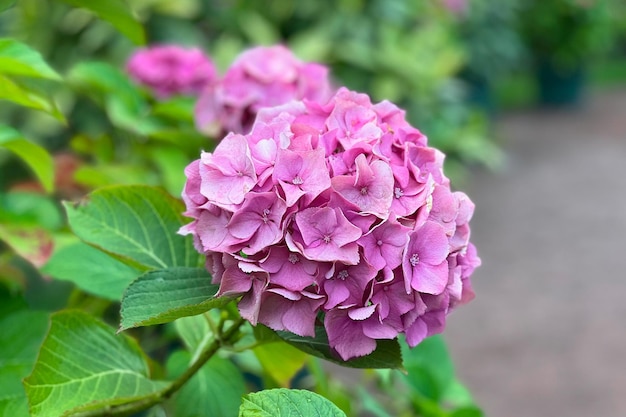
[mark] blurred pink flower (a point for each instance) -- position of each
(456, 6)
(259, 77)
(170, 70)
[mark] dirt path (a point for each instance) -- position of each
(546, 335)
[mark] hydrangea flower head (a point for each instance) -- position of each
(259, 77)
(171, 70)
(345, 218)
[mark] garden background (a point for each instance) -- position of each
(544, 164)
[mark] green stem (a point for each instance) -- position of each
(133, 407)
(218, 342)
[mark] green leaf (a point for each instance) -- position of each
(10, 299)
(458, 395)
(21, 334)
(257, 28)
(83, 365)
(29, 208)
(282, 371)
(91, 270)
(370, 404)
(165, 295)
(287, 402)
(215, 391)
(102, 77)
(11, 91)
(17, 58)
(6, 4)
(123, 102)
(36, 157)
(386, 355)
(467, 412)
(123, 114)
(137, 224)
(171, 162)
(106, 174)
(117, 13)
(176, 108)
(429, 366)
(194, 331)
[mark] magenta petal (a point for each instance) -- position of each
(345, 232)
(431, 243)
(337, 293)
(371, 189)
(417, 332)
(266, 235)
(346, 336)
(435, 321)
(250, 304)
(228, 173)
(348, 254)
(289, 295)
(430, 279)
(234, 282)
(361, 313)
(212, 231)
(376, 330)
(328, 236)
(244, 224)
(300, 319)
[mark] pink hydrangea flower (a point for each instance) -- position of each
(336, 213)
(456, 6)
(171, 69)
(259, 77)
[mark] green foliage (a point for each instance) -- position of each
(6, 4)
(27, 221)
(135, 224)
(17, 58)
(285, 402)
(124, 104)
(291, 361)
(488, 32)
(386, 355)
(567, 32)
(380, 47)
(117, 13)
(21, 61)
(24, 208)
(215, 391)
(91, 270)
(83, 365)
(21, 333)
(429, 367)
(23, 96)
(430, 376)
(165, 295)
(194, 331)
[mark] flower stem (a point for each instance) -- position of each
(218, 342)
(127, 409)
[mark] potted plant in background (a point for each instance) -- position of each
(562, 37)
(493, 47)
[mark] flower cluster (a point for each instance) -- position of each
(259, 77)
(336, 211)
(170, 69)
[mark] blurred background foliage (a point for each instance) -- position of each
(78, 122)
(450, 63)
